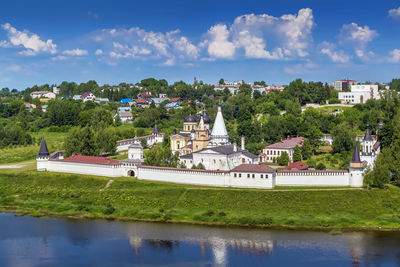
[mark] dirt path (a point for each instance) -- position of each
(107, 185)
(14, 166)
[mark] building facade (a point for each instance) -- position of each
(274, 151)
(360, 94)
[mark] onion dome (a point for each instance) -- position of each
(206, 119)
(190, 119)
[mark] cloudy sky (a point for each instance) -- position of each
(276, 41)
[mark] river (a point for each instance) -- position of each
(27, 241)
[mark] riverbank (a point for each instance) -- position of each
(43, 193)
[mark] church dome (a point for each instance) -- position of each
(190, 119)
(206, 119)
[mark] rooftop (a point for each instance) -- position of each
(91, 160)
(253, 168)
(288, 143)
(297, 165)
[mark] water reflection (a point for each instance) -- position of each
(26, 241)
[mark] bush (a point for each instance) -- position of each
(320, 166)
(334, 100)
(109, 209)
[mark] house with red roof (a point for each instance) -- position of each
(272, 152)
(88, 96)
(298, 165)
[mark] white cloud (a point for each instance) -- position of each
(75, 52)
(394, 13)
(218, 44)
(288, 36)
(394, 56)
(353, 32)
(298, 69)
(137, 43)
(337, 56)
(363, 54)
(4, 43)
(30, 41)
(98, 52)
(13, 68)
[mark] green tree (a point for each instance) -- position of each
(343, 138)
(221, 81)
(320, 166)
(297, 154)
(283, 160)
(306, 150)
(160, 156)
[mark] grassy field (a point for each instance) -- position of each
(28, 191)
(55, 141)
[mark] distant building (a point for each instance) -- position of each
(272, 152)
(360, 94)
(126, 109)
(126, 116)
(56, 90)
(343, 85)
(43, 94)
(88, 96)
(101, 100)
(125, 100)
(145, 95)
(76, 97)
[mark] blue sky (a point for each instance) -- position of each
(276, 41)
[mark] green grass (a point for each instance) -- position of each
(55, 141)
(25, 190)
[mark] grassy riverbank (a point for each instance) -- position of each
(26, 190)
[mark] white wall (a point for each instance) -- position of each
(86, 168)
(256, 182)
(312, 178)
(183, 176)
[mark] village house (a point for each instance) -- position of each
(87, 96)
(272, 152)
(125, 116)
(43, 94)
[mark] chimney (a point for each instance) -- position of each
(235, 147)
(242, 143)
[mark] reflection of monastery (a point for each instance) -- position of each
(226, 164)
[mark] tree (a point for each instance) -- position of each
(297, 154)
(343, 138)
(160, 156)
(320, 166)
(380, 175)
(306, 150)
(283, 160)
(221, 81)
(80, 141)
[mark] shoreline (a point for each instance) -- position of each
(82, 216)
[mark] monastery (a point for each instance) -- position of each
(226, 164)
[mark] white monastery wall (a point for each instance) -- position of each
(252, 180)
(183, 176)
(86, 168)
(312, 179)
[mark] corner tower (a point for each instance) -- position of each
(43, 157)
(356, 169)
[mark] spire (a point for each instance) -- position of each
(367, 136)
(356, 154)
(43, 149)
(219, 134)
(201, 123)
(155, 131)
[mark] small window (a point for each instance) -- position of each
(261, 176)
(266, 176)
(240, 175)
(248, 175)
(234, 175)
(253, 176)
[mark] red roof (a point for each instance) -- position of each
(288, 143)
(253, 168)
(180, 169)
(175, 99)
(91, 160)
(140, 101)
(297, 165)
(85, 94)
(312, 171)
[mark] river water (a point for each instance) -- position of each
(28, 241)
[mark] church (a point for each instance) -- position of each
(215, 152)
(195, 135)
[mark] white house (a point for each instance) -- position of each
(272, 152)
(88, 96)
(126, 116)
(360, 93)
(43, 94)
(341, 85)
